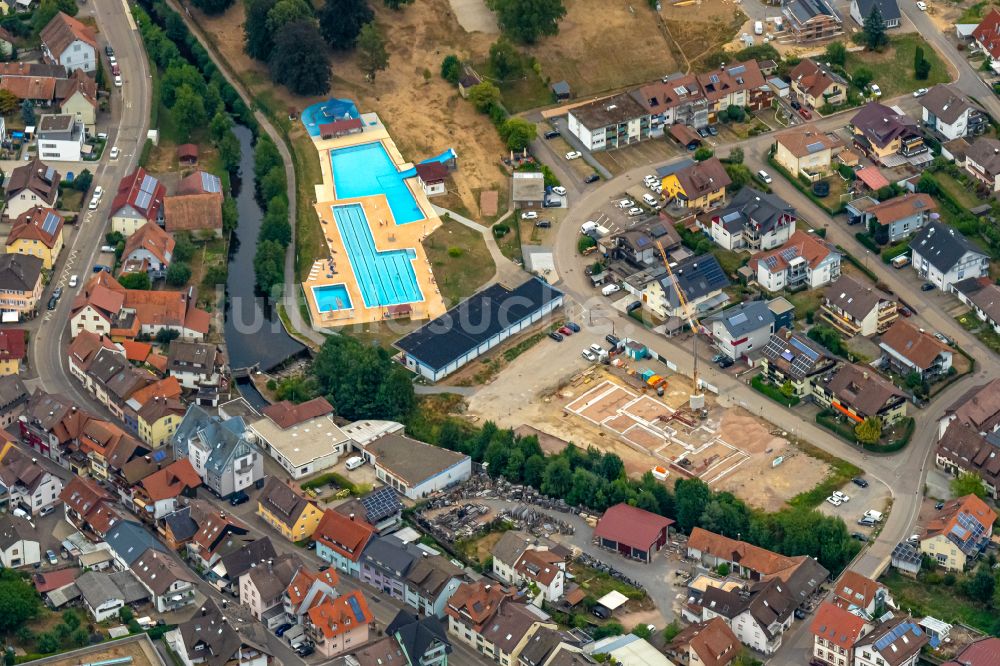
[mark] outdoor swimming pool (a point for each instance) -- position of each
(384, 278)
(365, 170)
(330, 297)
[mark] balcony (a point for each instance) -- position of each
(840, 321)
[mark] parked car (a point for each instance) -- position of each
(543, 224)
(718, 357)
(565, 330)
(858, 536)
(920, 92)
(905, 311)
(796, 105)
(529, 215)
(574, 155)
(833, 500)
(50, 555)
(280, 631)
(612, 340)
(108, 50)
(922, 6)
(635, 210)
(94, 203)
(726, 362)
(713, 130)
(53, 302)
(804, 112)
(703, 133)
(98, 192)
(865, 521)
(548, 202)
(633, 306)
(858, 481)
(73, 280)
(118, 81)
(57, 292)
(944, 338)
(764, 176)
(926, 286)
(114, 152)
(592, 178)
(551, 134)
(305, 650)
(589, 355)
(555, 335)
(625, 203)
(573, 326)
(560, 190)
(841, 496)
(939, 506)
(99, 267)
(876, 91)
(238, 498)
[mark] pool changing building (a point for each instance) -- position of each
(475, 326)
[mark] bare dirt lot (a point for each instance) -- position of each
(604, 407)
(424, 116)
(702, 27)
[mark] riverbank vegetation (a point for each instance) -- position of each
(271, 189)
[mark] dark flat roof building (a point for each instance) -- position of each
(475, 326)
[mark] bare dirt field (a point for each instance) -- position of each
(701, 28)
(606, 408)
(424, 117)
(134, 649)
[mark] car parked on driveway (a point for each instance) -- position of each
(574, 155)
(926, 286)
(804, 112)
(551, 134)
(573, 326)
(543, 224)
(50, 555)
(555, 335)
(529, 215)
(592, 178)
(560, 190)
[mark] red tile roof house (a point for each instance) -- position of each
(804, 261)
(984, 652)
(987, 36)
(710, 643)
(339, 625)
(157, 494)
(906, 349)
(340, 540)
(856, 591)
(633, 532)
(151, 248)
(89, 507)
(139, 200)
(70, 43)
(835, 631)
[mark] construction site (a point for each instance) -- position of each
(617, 407)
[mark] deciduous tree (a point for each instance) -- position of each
(139, 281)
(299, 60)
(372, 55)
(451, 69)
(518, 133)
(257, 39)
(527, 20)
(869, 431)
(968, 483)
(340, 22)
(484, 96)
(505, 61)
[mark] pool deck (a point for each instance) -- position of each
(387, 235)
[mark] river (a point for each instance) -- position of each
(253, 331)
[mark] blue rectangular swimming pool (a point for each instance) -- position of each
(366, 170)
(332, 297)
(384, 278)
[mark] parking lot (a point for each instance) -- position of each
(617, 215)
(874, 497)
(651, 151)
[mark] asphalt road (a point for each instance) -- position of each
(903, 473)
(130, 108)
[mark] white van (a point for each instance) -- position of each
(874, 515)
(355, 462)
(587, 227)
(649, 199)
(901, 261)
(758, 27)
(610, 289)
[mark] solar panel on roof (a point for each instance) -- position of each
(381, 504)
(159, 455)
(714, 78)
(740, 318)
(50, 223)
(50, 174)
(771, 262)
(803, 348)
(789, 253)
(210, 183)
(788, 355)
(356, 609)
(815, 147)
(739, 69)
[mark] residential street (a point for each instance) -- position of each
(904, 473)
(130, 107)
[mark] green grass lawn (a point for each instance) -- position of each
(70, 199)
(970, 322)
(729, 260)
(939, 600)
(309, 241)
(806, 302)
(959, 192)
(973, 14)
(893, 68)
(460, 260)
(520, 93)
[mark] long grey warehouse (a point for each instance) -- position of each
(476, 325)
